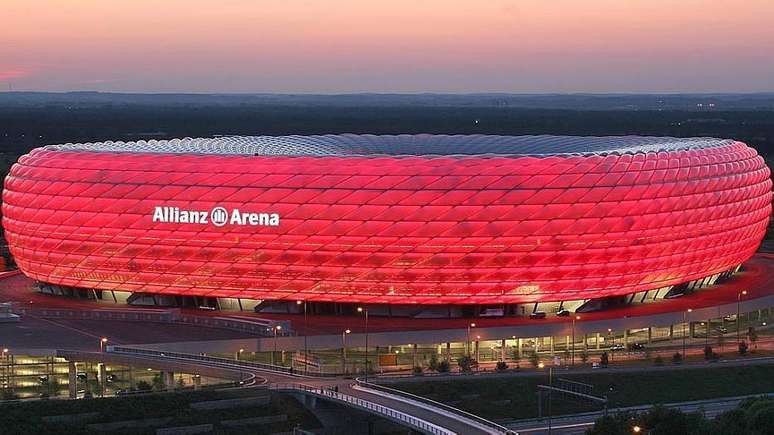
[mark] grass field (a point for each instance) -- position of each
(506, 398)
(25, 417)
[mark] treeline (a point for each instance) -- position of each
(753, 417)
(23, 128)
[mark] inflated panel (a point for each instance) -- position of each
(375, 227)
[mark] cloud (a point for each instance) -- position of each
(12, 73)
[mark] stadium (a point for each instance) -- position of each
(525, 224)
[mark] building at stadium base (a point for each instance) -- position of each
(487, 224)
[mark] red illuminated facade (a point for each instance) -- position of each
(390, 219)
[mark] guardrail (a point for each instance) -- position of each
(258, 326)
(415, 422)
(480, 420)
(203, 358)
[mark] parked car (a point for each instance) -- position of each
(538, 315)
(636, 346)
(617, 347)
(563, 313)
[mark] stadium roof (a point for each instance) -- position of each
(403, 145)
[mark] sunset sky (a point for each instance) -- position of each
(339, 46)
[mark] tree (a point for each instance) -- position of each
(418, 370)
(466, 363)
(433, 364)
(158, 383)
(604, 359)
(731, 423)
(759, 417)
(752, 335)
(443, 366)
(515, 353)
(721, 341)
(501, 366)
(615, 424)
(534, 359)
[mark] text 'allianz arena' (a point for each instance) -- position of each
(425, 219)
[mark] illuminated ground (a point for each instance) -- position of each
(757, 279)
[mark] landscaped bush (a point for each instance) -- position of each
(465, 363)
(677, 358)
(433, 364)
(501, 366)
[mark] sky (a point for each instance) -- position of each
(404, 46)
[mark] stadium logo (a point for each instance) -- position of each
(218, 217)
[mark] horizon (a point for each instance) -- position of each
(335, 94)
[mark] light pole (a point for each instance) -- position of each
(572, 363)
(239, 354)
(467, 343)
(6, 376)
(276, 328)
(364, 310)
(478, 338)
(550, 388)
(612, 339)
(738, 320)
(685, 322)
(344, 351)
(102, 342)
(306, 347)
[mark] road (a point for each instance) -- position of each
(577, 424)
(454, 423)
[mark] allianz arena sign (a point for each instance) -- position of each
(218, 217)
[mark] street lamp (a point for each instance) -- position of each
(550, 388)
(612, 339)
(344, 351)
(276, 329)
(102, 342)
(738, 304)
(636, 429)
(516, 347)
(239, 354)
(364, 310)
(572, 363)
(306, 347)
(685, 321)
(467, 343)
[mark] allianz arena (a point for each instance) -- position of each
(407, 219)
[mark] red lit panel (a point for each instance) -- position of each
(395, 229)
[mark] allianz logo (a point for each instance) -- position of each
(218, 217)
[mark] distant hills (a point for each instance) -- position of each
(628, 102)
